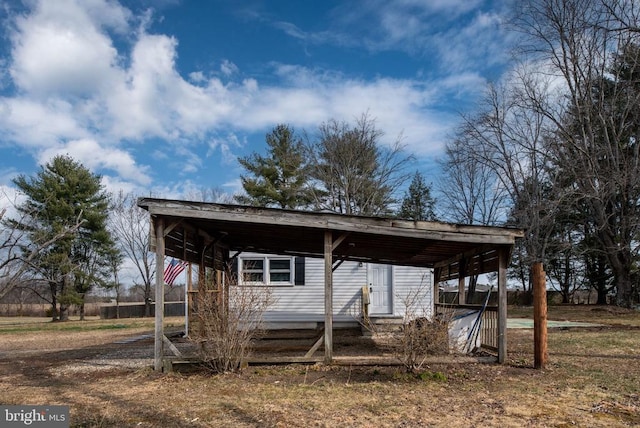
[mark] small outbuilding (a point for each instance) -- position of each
(213, 236)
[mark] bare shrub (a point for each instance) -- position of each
(226, 322)
(421, 336)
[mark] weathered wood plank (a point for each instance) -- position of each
(502, 305)
(328, 296)
(171, 346)
(159, 312)
(427, 230)
(315, 346)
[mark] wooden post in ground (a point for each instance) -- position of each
(540, 354)
(328, 297)
(159, 306)
(503, 255)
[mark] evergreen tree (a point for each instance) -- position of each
(65, 193)
(417, 203)
(280, 178)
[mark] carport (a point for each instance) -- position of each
(209, 235)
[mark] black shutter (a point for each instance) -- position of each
(299, 277)
(234, 266)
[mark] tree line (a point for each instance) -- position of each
(554, 146)
(344, 169)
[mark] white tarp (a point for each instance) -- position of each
(460, 337)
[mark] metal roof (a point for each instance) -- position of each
(367, 239)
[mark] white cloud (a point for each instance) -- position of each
(399, 106)
(93, 156)
(60, 48)
(10, 199)
(35, 123)
(197, 77)
(228, 68)
(225, 146)
(114, 185)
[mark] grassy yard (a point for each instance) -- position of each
(593, 379)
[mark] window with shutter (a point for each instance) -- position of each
(268, 270)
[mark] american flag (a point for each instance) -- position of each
(172, 271)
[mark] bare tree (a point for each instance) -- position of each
(507, 137)
(469, 189)
(354, 173)
(590, 48)
(130, 225)
(115, 259)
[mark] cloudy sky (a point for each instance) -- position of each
(163, 96)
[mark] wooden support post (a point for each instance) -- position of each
(159, 307)
(502, 305)
(540, 354)
(187, 289)
(328, 297)
(461, 277)
(436, 289)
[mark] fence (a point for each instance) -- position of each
(136, 310)
(488, 333)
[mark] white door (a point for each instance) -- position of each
(380, 289)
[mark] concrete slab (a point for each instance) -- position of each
(528, 323)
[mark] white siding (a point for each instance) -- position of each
(412, 291)
(305, 303)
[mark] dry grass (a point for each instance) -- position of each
(593, 379)
(611, 315)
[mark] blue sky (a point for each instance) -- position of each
(163, 96)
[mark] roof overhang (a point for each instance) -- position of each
(367, 239)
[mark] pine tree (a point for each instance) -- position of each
(65, 193)
(279, 179)
(417, 203)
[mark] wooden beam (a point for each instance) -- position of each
(337, 265)
(540, 354)
(336, 222)
(503, 255)
(159, 306)
(171, 346)
(337, 242)
(170, 227)
(328, 297)
(481, 250)
(315, 346)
